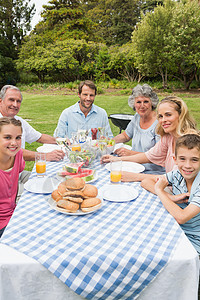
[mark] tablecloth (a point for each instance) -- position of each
(113, 253)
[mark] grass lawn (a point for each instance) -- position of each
(43, 110)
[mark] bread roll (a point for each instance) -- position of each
(90, 204)
(90, 191)
(56, 195)
(61, 188)
(74, 199)
(75, 184)
(68, 205)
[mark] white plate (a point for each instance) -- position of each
(79, 212)
(129, 167)
(46, 148)
(121, 145)
(41, 185)
(118, 193)
(61, 178)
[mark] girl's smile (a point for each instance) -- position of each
(10, 140)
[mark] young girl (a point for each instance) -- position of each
(11, 164)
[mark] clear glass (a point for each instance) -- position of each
(40, 164)
(115, 171)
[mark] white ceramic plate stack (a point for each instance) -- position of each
(41, 185)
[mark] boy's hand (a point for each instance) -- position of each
(181, 198)
(161, 184)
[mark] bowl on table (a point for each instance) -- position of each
(85, 155)
(103, 146)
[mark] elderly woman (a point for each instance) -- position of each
(141, 129)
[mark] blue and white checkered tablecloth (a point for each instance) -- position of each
(113, 253)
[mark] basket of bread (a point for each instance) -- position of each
(74, 196)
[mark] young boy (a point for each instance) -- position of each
(185, 179)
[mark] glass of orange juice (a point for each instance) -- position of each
(115, 171)
(76, 147)
(40, 164)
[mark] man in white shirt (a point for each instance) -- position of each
(10, 102)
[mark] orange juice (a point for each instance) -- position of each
(41, 167)
(115, 176)
(76, 147)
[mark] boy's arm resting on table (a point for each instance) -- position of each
(55, 155)
(180, 215)
(129, 176)
(149, 181)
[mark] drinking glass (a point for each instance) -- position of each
(102, 147)
(115, 171)
(101, 133)
(40, 162)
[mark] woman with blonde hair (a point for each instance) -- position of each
(174, 120)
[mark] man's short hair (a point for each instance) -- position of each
(189, 141)
(88, 83)
(7, 87)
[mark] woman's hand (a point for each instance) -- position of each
(123, 152)
(108, 158)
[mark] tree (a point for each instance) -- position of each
(167, 41)
(115, 19)
(63, 19)
(45, 50)
(184, 40)
(122, 61)
(67, 60)
(150, 44)
(15, 17)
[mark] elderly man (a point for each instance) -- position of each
(10, 102)
(84, 114)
